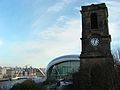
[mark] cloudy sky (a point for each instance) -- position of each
(34, 32)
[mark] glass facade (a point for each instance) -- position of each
(64, 70)
(59, 71)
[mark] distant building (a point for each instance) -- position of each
(61, 69)
(7, 73)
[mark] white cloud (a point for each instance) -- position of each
(59, 5)
(1, 42)
(63, 37)
(54, 41)
(114, 23)
(61, 40)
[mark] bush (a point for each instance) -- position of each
(26, 85)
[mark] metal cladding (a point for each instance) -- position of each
(63, 59)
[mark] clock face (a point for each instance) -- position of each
(94, 41)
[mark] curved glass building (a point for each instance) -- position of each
(59, 71)
(61, 68)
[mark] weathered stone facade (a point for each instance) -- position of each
(96, 52)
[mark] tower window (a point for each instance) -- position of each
(94, 21)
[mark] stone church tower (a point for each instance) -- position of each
(96, 61)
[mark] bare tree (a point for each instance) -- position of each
(116, 56)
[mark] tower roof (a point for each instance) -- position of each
(94, 7)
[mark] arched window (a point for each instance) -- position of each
(94, 21)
